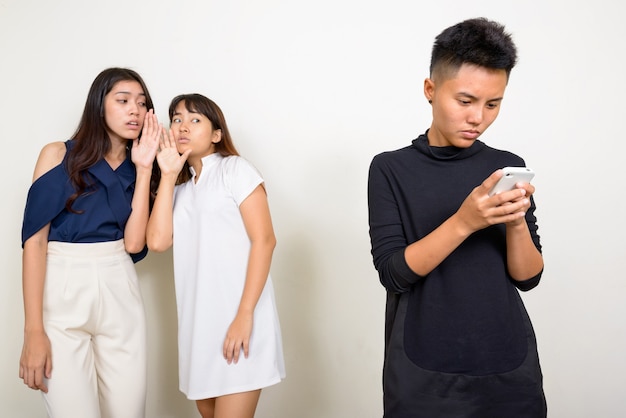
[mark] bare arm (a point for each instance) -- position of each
(36, 358)
(142, 154)
(256, 217)
(523, 258)
(478, 211)
(160, 229)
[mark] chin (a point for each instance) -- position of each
(464, 143)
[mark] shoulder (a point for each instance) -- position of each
(236, 164)
(51, 155)
(507, 157)
(392, 158)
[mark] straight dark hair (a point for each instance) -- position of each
(91, 138)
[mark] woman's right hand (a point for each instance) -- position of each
(36, 360)
(170, 161)
(479, 210)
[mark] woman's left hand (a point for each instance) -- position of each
(144, 150)
(238, 338)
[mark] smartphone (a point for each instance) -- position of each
(512, 175)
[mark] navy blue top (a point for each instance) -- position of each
(105, 207)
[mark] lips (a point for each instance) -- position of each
(470, 134)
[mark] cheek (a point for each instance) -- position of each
(452, 115)
(491, 116)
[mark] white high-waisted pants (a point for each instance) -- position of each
(94, 318)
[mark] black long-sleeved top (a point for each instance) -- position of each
(466, 317)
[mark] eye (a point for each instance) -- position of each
(492, 105)
(142, 104)
(124, 101)
(195, 120)
(176, 120)
(464, 102)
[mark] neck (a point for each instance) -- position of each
(117, 154)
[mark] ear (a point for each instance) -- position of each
(429, 89)
(217, 136)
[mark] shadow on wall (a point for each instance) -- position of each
(156, 277)
(294, 275)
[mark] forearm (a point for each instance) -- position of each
(257, 273)
(135, 230)
(425, 255)
(159, 233)
(33, 280)
(524, 260)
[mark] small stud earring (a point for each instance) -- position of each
(430, 101)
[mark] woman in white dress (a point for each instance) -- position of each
(211, 205)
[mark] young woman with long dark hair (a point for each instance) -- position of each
(84, 226)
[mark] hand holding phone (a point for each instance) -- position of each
(511, 176)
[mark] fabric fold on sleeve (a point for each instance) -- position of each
(398, 274)
(46, 199)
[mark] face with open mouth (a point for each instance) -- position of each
(124, 110)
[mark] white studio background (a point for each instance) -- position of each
(312, 91)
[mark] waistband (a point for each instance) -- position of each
(87, 250)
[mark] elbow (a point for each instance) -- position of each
(272, 242)
(133, 247)
(395, 274)
(528, 284)
(158, 246)
(157, 240)
(267, 243)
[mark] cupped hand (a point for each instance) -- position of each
(36, 361)
(170, 161)
(238, 338)
(144, 150)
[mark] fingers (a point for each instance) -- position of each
(152, 129)
(167, 139)
(491, 181)
(231, 354)
(39, 381)
(35, 378)
(233, 349)
(529, 188)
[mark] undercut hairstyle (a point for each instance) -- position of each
(479, 42)
(197, 103)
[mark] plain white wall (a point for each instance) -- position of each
(312, 91)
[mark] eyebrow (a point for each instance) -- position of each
(180, 113)
(128, 92)
(470, 96)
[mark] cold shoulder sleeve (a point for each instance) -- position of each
(46, 199)
(101, 213)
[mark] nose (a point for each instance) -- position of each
(183, 127)
(475, 115)
(134, 109)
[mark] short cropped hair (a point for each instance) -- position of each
(478, 41)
